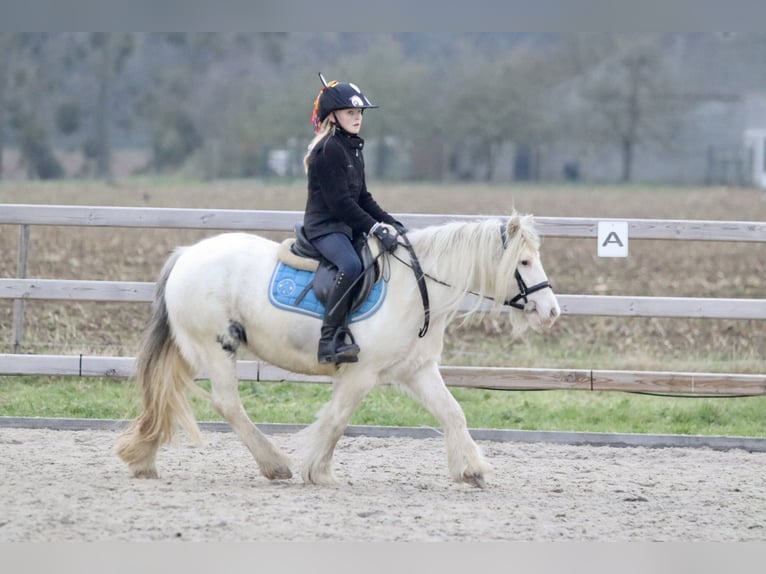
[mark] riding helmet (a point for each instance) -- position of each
(337, 96)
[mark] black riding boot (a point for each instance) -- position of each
(333, 347)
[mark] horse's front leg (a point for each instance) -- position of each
(464, 459)
(348, 391)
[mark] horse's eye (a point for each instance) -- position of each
(525, 262)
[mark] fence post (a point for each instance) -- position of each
(21, 273)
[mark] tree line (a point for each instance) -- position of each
(219, 102)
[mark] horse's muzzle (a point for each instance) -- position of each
(545, 314)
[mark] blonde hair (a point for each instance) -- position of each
(325, 128)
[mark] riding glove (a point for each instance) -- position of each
(386, 238)
(400, 228)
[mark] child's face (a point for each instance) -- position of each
(350, 119)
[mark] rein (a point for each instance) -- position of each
(419, 277)
(422, 287)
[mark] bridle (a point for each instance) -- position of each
(420, 275)
(524, 291)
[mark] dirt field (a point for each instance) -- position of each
(67, 486)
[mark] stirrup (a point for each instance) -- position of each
(340, 351)
(345, 352)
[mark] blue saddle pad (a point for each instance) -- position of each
(287, 284)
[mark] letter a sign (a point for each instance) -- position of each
(612, 238)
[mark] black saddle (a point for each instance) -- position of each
(324, 279)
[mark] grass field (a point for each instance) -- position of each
(661, 268)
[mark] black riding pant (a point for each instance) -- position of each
(338, 249)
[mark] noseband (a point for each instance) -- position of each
(524, 291)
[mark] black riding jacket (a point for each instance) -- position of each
(338, 199)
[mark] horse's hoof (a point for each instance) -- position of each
(475, 479)
(319, 478)
(145, 473)
(279, 473)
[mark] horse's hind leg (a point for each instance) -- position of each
(464, 459)
(139, 451)
(226, 401)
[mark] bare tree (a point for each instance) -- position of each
(401, 88)
(627, 95)
(112, 50)
(27, 77)
(495, 102)
(6, 53)
(199, 83)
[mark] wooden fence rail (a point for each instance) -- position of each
(234, 219)
(497, 378)
(21, 289)
(609, 305)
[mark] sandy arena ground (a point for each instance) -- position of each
(68, 486)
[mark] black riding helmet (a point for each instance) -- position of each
(337, 96)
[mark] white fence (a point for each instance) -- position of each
(22, 288)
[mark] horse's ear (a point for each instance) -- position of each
(514, 224)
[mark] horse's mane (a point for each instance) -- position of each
(470, 256)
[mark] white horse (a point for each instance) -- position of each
(212, 305)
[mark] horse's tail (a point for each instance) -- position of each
(163, 375)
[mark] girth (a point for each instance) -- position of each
(300, 253)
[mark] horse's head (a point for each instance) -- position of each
(522, 283)
(491, 259)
